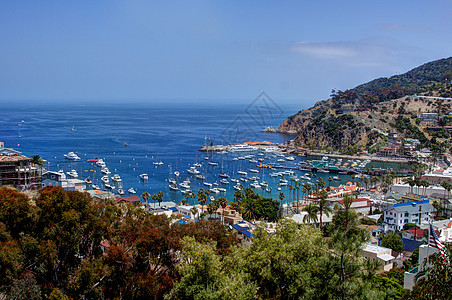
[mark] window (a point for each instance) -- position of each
(53, 176)
(405, 221)
(401, 215)
(400, 221)
(406, 214)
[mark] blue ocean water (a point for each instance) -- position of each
(171, 132)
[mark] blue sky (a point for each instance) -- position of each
(295, 51)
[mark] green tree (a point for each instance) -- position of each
(393, 241)
(311, 216)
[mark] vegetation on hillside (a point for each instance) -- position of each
(356, 120)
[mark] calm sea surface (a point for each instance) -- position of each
(170, 132)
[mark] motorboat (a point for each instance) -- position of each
(215, 184)
(254, 178)
(336, 178)
(93, 160)
(144, 176)
(105, 171)
(224, 181)
(120, 191)
(72, 156)
(176, 173)
(235, 159)
(104, 179)
(253, 161)
(197, 165)
(207, 184)
(213, 163)
(254, 171)
(200, 176)
(132, 191)
(116, 178)
(172, 180)
(173, 187)
(242, 173)
(101, 163)
(237, 187)
(234, 180)
(73, 173)
(95, 187)
(88, 180)
(184, 185)
(255, 185)
(223, 175)
(215, 190)
(243, 179)
(221, 189)
(157, 163)
(109, 186)
(193, 171)
(241, 158)
(281, 160)
(242, 148)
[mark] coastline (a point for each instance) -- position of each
(371, 158)
(308, 152)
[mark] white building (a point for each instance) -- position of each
(397, 215)
(381, 254)
(409, 277)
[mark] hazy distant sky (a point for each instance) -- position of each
(293, 50)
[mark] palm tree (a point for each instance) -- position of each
(304, 191)
(146, 196)
(322, 206)
(366, 181)
(311, 215)
(38, 161)
(281, 198)
(329, 180)
(223, 202)
(160, 197)
(194, 211)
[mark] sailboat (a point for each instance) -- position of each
(222, 174)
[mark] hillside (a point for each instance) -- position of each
(360, 119)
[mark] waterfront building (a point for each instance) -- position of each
(397, 215)
(18, 171)
(52, 178)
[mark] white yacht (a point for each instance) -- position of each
(105, 171)
(242, 173)
(184, 185)
(290, 158)
(104, 179)
(101, 163)
(193, 170)
(224, 181)
(144, 176)
(73, 173)
(242, 148)
(109, 186)
(132, 191)
(213, 163)
(120, 191)
(72, 156)
(116, 178)
(254, 171)
(158, 163)
(95, 187)
(234, 180)
(173, 187)
(237, 187)
(221, 189)
(207, 184)
(215, 190)
(200, 176)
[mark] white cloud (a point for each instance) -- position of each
(329, 50)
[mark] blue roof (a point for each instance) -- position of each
(180, 222)
(238, 227)
(248, 234)
(172, 209)
(410, 203)
(411, 245)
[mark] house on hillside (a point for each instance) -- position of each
(397, 215)
(360, 205)
(381, 254)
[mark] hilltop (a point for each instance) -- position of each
(361, 118)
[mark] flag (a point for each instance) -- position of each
(435, 243)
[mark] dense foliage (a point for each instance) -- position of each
(409, 83)
(53, 246)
